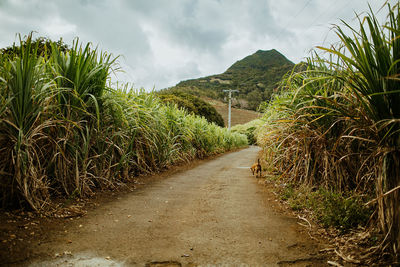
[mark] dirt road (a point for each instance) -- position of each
(213, 214)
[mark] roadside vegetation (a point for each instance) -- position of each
(65, 131)
(192, 104)
(332, 137)
(249, 129)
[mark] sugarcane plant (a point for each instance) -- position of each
(370, 68)
(336, 124)
(66, 130)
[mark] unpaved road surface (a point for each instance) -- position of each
(214, 214)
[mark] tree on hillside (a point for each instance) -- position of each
(254, 99)
(43, 46)
(193, 104)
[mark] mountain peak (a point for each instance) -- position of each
(255, 76)
(266, 51)
(262, 59)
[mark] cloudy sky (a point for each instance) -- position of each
(162, 42)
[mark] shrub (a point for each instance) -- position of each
(249, 129)
(194, 105)
(330, 208)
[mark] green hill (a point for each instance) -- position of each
(255, 76)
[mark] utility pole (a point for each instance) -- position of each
(230, 104)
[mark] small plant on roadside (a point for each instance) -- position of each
(335, 209)
(331, 209)
(287, 192)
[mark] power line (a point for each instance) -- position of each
(301, 10)
(293, 18)
(336, 13)
(324, 13)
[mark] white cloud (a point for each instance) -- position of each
(163, 42)
(57, 27)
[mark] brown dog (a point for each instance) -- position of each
(256, 168)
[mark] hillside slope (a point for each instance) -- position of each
(255, 76)
(238, 116)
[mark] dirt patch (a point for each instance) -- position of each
(164, 264)
(238, 116)
(212, 212)
(19, 229)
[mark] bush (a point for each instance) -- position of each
(330, 208)
(194, 105)
(249, 129)
(334, 209)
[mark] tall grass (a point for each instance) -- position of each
(337, 124)
(64, 131)
(25, 88)
(372, 73)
